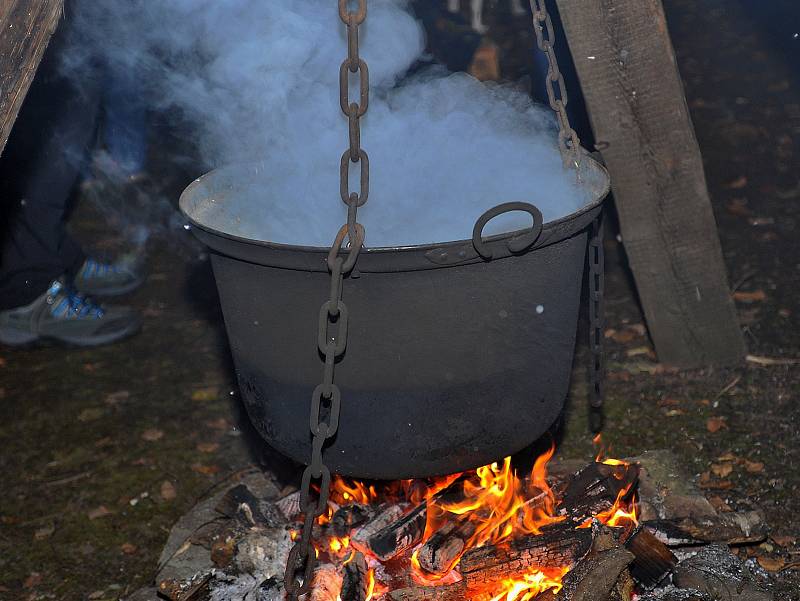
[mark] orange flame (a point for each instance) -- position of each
(531, 585)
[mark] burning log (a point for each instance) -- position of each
(442, 550)
(356, 584)
(350, 517)
(557, 547)
(596, 488)
(731, 528)
(450, 592)
(654, 561)
(384, 518)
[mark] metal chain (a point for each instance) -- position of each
(333, 315)
(596, 324)
(568, 141)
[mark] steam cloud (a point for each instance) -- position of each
(259, 81)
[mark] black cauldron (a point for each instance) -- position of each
(453, 360)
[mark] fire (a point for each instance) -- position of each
(349, 491)
(496, 505)
(531, 585)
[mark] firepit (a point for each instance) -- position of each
(611, 530)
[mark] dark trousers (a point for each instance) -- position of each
(46, 153)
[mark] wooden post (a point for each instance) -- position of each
(25, 30)
(634, 95)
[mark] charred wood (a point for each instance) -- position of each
(384, 517)
(290, 505)
(654, 561)
(438, 555)
(595, 489)
(732, 528)
(355, 586)
(450, 592)
(560, 546)
(350, 517)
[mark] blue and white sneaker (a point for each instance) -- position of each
(69, 316)
(108, 279)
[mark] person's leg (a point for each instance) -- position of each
(44, 156)
(124, 128)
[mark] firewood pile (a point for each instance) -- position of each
(607, 531)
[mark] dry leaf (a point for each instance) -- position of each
(207, 447)
(675, 412)
(96, 595)
(90, 414)
(759, 221)
(3, 362)
(784, 540)
(43, 533)
(210, 393)
(715, 424)
(721, 470)
(771, 564)
(168, 491)
(717, 484)
(624, 337)
(34, 579)
(128, 548)
(737, 184)
(754, 467)
(639, 351)
(208, 470)
(738, 207)
(152, 435)
(728, 457)
(218, 424)
(98, 512)
(756, 296)
(720, 504)
(115, 398)
(609, 333)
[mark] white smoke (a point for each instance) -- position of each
(259, 80)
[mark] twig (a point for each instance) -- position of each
(767, 361)
(730, 386)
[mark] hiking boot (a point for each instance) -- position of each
(65, 315)
(108, 279)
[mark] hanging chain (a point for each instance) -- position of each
(333, 315)
(596, 324)
(568, 141)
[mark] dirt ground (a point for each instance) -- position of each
(104, 449)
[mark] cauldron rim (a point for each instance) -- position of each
(379, 258)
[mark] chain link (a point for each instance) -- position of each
(334, 316)
(568, 141)
(596, 324)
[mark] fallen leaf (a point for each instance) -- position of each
(2, 362)
(129, 549)
(784, 540)
(675, 412)
(96, 595)
(625, 336)
(91, 414)
(104, 442)
(115, 398)
(43, 533)
(754, 467)
(756, 296)
(210, 393)
(717, 485)
(721, 470)
(208, 470)
(669, 402)
(168, 491)
(737, 184)
(98, 512)
(207, 447)
(218, 424)
(738, 207)
(728, 457)
(720, 504)
(771, 564)
(609, 333)
(639, 351)
(34, 579)
(715, 424)
(152, 435)
(761, 221)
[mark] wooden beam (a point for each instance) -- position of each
(25, 30)
(636, 103)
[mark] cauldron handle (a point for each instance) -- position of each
(517, 243)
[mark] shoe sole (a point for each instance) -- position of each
(12, 337)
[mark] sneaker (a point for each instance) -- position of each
(108, 279)
(65, 315)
